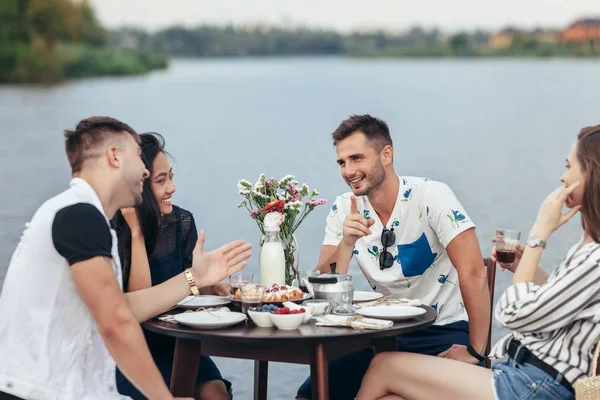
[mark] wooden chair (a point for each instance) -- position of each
(491, 277)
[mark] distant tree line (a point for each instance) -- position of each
(44, 41)
(230, 41)
(211, 41)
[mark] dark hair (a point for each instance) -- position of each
(80, 143)
(148, 211)
(588, 155)
(375, 129)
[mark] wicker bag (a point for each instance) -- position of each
(588, 388)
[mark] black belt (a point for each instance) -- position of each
(523, 355)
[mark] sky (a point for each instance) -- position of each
(347, 15)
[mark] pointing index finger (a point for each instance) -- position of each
(353, 206)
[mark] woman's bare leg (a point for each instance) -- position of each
(412, 376)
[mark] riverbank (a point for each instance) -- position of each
(34, 65)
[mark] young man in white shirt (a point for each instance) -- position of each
(411, 238)
(65, 320)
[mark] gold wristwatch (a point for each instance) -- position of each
(191, 282)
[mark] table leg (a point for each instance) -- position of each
(385, 344)
(261, 375)
(319, 379)
(185, 367)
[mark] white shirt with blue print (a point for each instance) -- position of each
(426, 217)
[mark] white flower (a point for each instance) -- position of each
(245, 182)
(244, 187)
(293, 204)
(284, 181)
(260, 195)
(273, 219)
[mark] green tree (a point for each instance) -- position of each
(90, 30)
(51, 21)
(459, 44)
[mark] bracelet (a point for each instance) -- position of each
(191, 282)
(475, 354)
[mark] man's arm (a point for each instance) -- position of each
(465, 255)
(122, 335)
(340, 254)
(456, 232)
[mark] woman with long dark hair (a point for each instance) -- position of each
(156, 241)
(554, 319)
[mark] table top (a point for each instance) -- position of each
(248, 332)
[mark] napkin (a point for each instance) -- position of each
(356, 322)
(389, 301)
(171, 317)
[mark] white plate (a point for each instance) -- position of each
(360, 296)
(203, 301)
(394, 313)
(210, 320)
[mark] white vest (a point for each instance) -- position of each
(50, 348)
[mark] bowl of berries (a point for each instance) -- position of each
(286, 319)
(261, 315)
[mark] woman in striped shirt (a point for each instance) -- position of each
(555, 318)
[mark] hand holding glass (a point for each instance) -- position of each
(506, 246)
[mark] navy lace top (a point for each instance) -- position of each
(171, 256)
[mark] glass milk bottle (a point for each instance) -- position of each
(272, 259)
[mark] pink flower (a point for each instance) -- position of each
(316, 202)
(295, 197)
(291, 187)
(254, 213)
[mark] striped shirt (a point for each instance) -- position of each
(558, 321)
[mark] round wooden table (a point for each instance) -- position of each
(309, 344)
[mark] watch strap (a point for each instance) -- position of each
(191, 282)
(535, 241)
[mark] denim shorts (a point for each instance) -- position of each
(513, 381)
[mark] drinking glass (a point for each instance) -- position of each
(506, 246)
(345, 306)
(252, 296)
(303, 283)
(239, 279)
